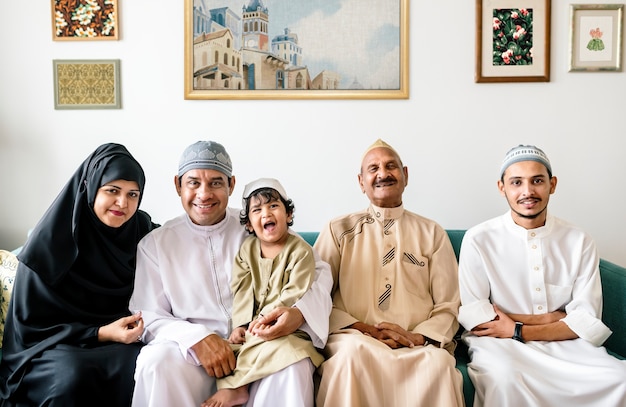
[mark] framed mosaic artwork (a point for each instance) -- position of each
(87, 84)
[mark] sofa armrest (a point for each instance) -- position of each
(614, 308)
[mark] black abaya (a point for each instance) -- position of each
(75, 275)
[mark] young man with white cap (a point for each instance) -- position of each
(531, 300)
(182, 287)
(396, 299)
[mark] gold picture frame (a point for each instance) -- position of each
(236, 53)
(87, 84)
(596, 37)
(512, 41)
(84, 20)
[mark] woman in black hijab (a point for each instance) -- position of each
(69, 338)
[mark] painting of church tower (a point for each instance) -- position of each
(255, 26)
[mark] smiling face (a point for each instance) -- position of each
(527, 187)
(383, 178)
(204, 194)
(269, 220)
(116, 202)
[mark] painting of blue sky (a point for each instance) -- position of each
(358, 39)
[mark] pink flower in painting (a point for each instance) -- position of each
(506, 56)
(596, 34)
(496, 23)
(519, 33)
(514, 15)
(523, 11)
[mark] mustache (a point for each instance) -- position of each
(536, 199)
(385, 180)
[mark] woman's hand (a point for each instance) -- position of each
(124, 330)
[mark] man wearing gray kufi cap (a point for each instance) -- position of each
(205, 155)
(531, 301)
(182, 287)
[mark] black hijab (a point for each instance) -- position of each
(69, 231)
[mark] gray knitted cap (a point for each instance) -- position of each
(525, 153)
(205, 155)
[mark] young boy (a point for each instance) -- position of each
(273, 268)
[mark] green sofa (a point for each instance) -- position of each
(613, 315)
(613, 289)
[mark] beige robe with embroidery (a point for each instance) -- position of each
(390, 265)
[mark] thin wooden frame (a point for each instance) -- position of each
(513, 40)
(84, 20)
(87, 84)
(596, 37)
(206, 72)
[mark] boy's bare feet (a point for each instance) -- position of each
(227, 398)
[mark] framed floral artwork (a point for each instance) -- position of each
(74, 20)
(87, 84)
(596, 37)
(296, 49)
(512, 40)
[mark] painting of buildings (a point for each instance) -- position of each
(296, 45)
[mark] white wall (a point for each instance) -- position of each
(452, 133)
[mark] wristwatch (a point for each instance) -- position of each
(517, 333)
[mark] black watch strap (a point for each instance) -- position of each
(517, 334)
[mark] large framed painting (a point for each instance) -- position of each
(512, 41)
(296, 49)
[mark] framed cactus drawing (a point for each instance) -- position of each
(596, 37)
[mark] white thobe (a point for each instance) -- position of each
(537, 271)
(182, 288)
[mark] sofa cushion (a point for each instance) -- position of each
(8, 266)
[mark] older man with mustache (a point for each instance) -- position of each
(395, 298)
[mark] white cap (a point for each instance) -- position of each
(264, 183)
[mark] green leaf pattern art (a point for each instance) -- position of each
(513, 36)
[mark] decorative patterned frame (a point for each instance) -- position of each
(216, 67)
(87, 84)
(506, 51)
(603, 24)
(84, 20)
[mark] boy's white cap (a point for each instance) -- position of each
(264, 183)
